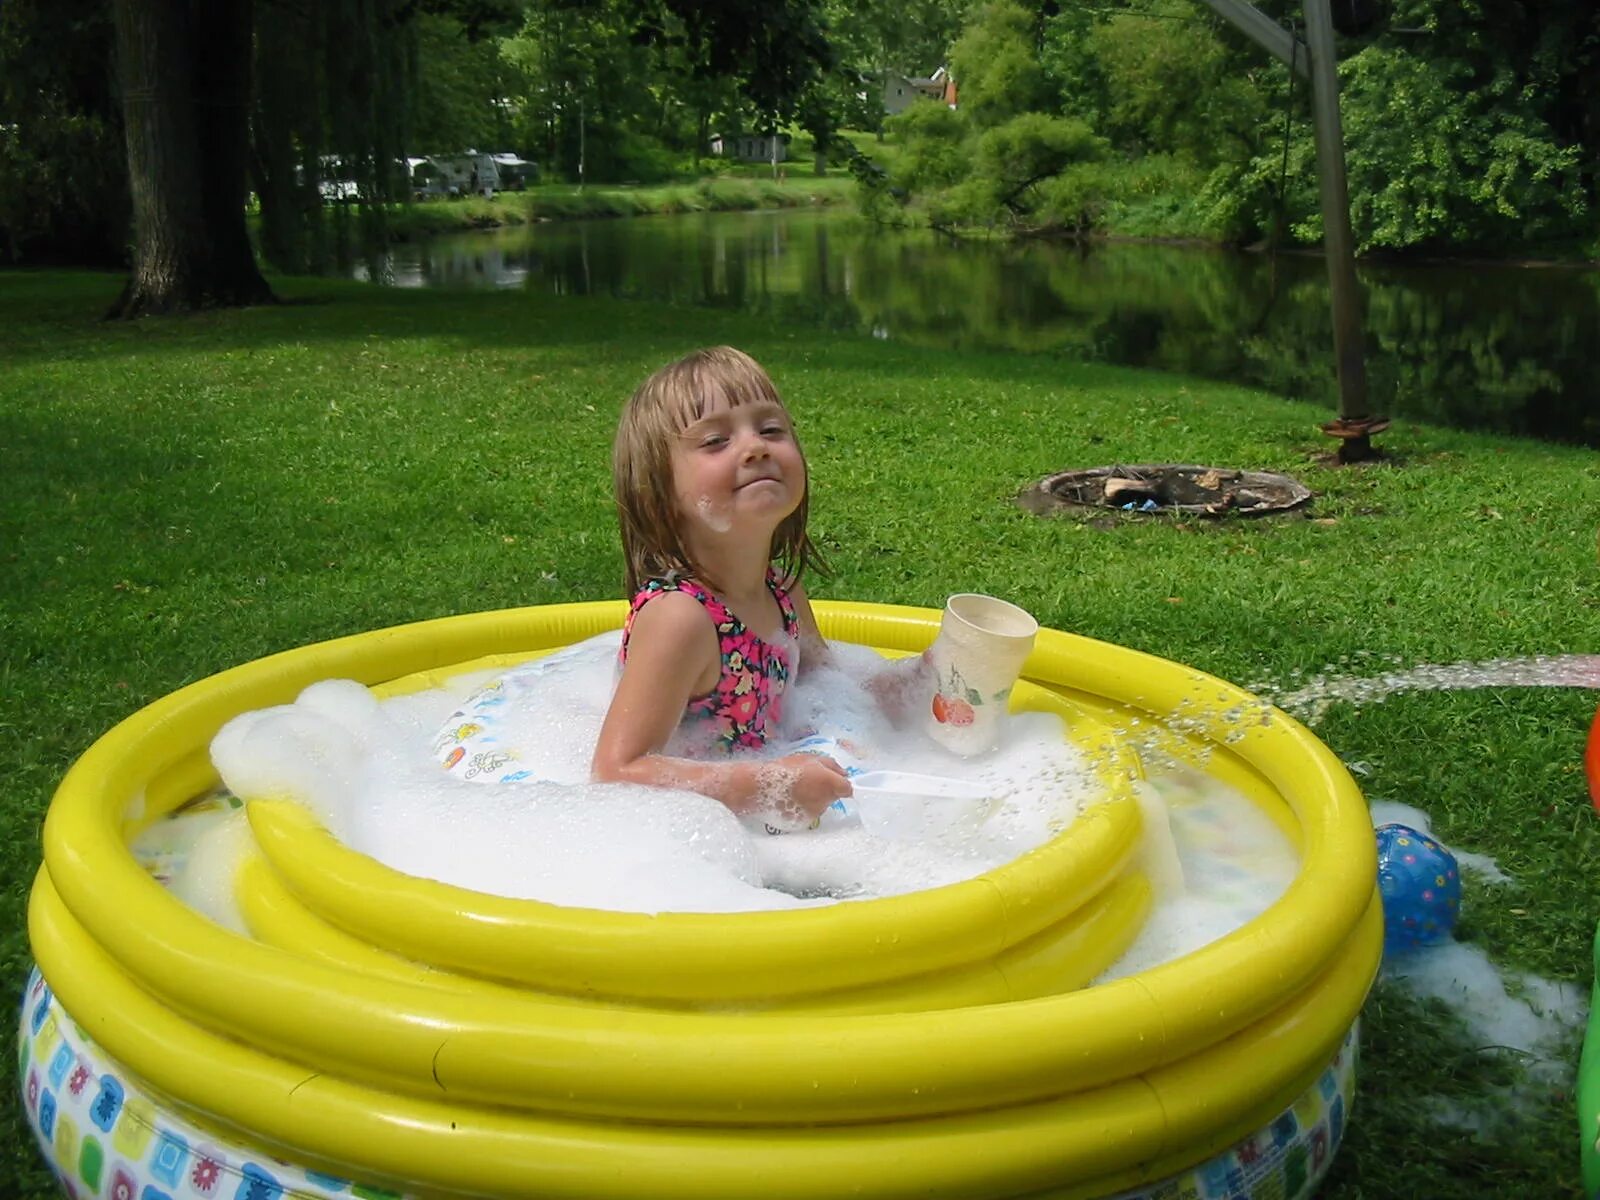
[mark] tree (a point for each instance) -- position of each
(330, 111)
(63, 165)
(685, 64)
(331, 100)
(185, 83)
(874, 40)
(997, 64)
(572, 55)
(457, 90)
(1494, 169)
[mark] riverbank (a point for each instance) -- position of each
(1160, 200)
(179, 496)
(798, 188)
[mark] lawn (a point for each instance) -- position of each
(182, 496)
(736, 187)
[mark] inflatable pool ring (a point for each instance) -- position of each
(425, 1039)
(107, 1136)
(473, 742)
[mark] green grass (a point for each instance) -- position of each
(737, 189)
(182, 496)
(885, 151)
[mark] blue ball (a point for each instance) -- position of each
(1421, 889)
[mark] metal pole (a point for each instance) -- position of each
(1263, 31)
(1317, 57)
(1338, 245)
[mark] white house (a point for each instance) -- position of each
(750, 147)
(902, 91)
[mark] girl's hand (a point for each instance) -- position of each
(901, 687)
(801, 786)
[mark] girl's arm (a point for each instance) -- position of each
(813, 646)
(672, 655)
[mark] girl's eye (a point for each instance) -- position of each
(774, 430)
(712, 440)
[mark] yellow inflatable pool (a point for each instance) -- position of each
(427, 1040)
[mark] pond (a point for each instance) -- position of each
(1499, 348)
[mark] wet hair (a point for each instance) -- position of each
(664, 405)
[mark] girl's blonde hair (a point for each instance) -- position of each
(664, 406)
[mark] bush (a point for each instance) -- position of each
(933, 147)
(1435, 156)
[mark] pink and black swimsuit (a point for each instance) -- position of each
(747, 702)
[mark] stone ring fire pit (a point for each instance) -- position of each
(1167, 488)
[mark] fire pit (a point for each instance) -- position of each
(1167, 488)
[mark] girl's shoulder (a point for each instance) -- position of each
(676, 585)
(676, 610)
(671, 620)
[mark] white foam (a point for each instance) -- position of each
(1387, 812)
(1215, 861)
(1511, 1012)
(364, 769)
(716, 516)
(205, 881)
(1534, 1020)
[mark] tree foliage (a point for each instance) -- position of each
(998, 65)
(1437, 157)
(63, 165)
(1468, 123)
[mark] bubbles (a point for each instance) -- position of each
(1215, 861)
(774, 784)
(366, 770)
(716, 516)
(1190, 732)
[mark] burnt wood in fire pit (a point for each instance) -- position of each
(1167, 488)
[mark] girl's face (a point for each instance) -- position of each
(738, 469)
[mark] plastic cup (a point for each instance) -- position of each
(982, 644)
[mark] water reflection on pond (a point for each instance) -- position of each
(1501, 348)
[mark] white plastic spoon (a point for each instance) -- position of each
(899, 804)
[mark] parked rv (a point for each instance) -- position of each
(516, 173)
(469, 174)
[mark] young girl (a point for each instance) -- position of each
(711, 497)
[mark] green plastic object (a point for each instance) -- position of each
(1589, 1089)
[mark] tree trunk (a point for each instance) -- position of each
(184, 67)
(222, 74)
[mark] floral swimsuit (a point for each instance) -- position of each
(748, 700)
